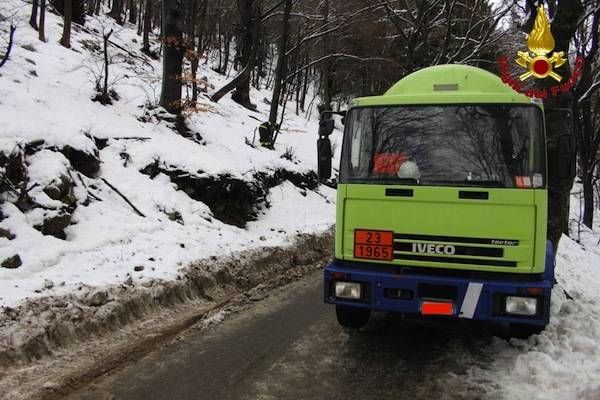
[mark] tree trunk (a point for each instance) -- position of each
(147, 26)
(280, 68)
(305, 83)
(66, 37)
(140, 22)
(242, 80)
(586, 109)
(106, 64)
(116, 11)
(588, 199)
(132, 12)
(34, 12)
(564, 25)
(170, 97)
(196, 60)
(11, 39)
(326, 65)
(250, 16)
(226, 50)
(42, 27)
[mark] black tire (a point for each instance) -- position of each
(352, 317)
(523, 331)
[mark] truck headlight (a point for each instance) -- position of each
(348, 290)
(521, 305)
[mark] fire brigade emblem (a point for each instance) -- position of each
(540, 42)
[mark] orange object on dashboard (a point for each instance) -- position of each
(388, 163)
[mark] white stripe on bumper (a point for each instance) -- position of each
(471, 299)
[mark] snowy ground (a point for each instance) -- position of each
(45, 94)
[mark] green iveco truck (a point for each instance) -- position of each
(442, 203)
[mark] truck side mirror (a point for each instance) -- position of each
(324, 156)
(566, 151)
(325, 127)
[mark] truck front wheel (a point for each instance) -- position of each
(352, 317)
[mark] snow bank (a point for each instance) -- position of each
(45, 95)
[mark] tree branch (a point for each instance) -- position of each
(138, 212)
(11, 37)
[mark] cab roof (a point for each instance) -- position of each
(446, 84)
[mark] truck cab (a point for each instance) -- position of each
(442, 203)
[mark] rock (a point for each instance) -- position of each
(55, 225)
(5, 233)
(175, 216)
(12, 262)
(62, 190)
(138, 268)
(96, 298)
(50, 386)
(86, 163)
(257, 296)
(48, 284)
(263, 238)
(148, 284)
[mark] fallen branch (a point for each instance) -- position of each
(124, 198)
(11, 37)
(92, 195)
(140, 138)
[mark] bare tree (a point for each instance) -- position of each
(281, 61)
(11, 37)
(565, 17)
(250, 34)
(147, 26)
(34, 12)
(174, 49)
(42, 26)
(66, 36)
(586, 109)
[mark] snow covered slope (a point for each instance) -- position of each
(48, 117)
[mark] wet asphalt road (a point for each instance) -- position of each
(289, 346)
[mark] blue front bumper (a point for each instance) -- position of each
(477, 299)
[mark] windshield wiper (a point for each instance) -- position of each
(487, 183)
(465, 182)
(404, 181)
(386, 181)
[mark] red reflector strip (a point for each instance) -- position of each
(534, 290)
(337, 275)
(436, 308)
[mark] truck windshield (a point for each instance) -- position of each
(446, 145)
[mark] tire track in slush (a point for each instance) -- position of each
(289, 346)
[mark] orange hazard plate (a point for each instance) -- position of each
(437, 308)
(376, 245)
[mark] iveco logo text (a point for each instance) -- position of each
(433, 248)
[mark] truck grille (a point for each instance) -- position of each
(448, 249)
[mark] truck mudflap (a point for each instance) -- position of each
(502, 299)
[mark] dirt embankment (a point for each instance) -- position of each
(43, 327)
